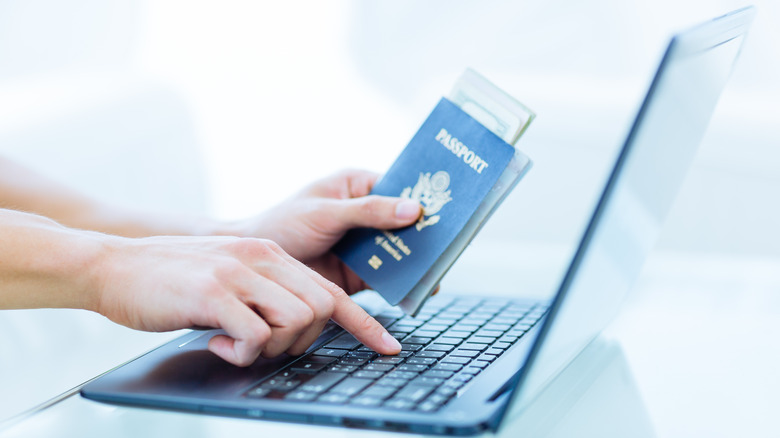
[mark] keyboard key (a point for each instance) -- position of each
(456, 334)
(421, 361)
(494, 351)
(392, 313)
(343, 368)
(357, 361)
(456, 359)
(301, 396)
(463, 377)
(471, 370)
(452, 314)
(368, 374)
(428, 381)
(448, 340)
(350, 386)
(439, 320)
(440, 347)
(497, 327)
(345, 341)
(448, 367)
(389, 360)
(322, 381)
(439, 374)
(391, 382)
(427, 406)
(377, 367)
(400, 404)
(385, 320)
(330, 352)
(308, 367)
(333, 398)
(479, 364)
(487, 357)
(505, 320)
(446, 391)
(465, 353)
(473, 346)
(501, 345)
(399, 335)
(414, 393)
(381, 392)
(258, 392)
(412, 367)
(426, 333)
(481, 339)
(366, 401)
(431, 353)
(365, 354)
(410, 347)
(489, 333)
(417, 340)
(455, 384)
(465, 327)
(400, 374)
(401, 328)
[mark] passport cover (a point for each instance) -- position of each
(449, 166)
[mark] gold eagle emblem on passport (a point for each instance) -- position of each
(432, 193)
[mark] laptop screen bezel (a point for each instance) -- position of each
(701, 38)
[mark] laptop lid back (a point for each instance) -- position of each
(644, 182)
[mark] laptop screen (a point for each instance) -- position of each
(645, 179)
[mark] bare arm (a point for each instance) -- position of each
(25, 190)
(266, 301)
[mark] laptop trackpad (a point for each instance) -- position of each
(187, 367)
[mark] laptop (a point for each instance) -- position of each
(469, 361)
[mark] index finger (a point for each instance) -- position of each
(352, 317)
(363, 326)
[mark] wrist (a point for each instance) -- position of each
(44, 264)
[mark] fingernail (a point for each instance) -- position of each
(390, 342)
(407, 210)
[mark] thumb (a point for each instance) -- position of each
(374, 211)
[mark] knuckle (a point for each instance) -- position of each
(261, 334)
(228, 268)
(326, 307)
(256, 248)
(303, 317)
(366, 323)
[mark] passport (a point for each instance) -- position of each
(456, 168)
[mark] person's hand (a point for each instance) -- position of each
(308, 224)
(267, 302)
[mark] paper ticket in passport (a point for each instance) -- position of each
(459, 165)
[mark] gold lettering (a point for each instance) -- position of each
(398, 242)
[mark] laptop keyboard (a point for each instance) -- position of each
(449, 342)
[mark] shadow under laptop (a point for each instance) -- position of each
(594, 396)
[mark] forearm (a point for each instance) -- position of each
(24, 190)
(44, 264)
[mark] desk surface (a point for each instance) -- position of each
(697, 336)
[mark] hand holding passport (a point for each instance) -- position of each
(460, 166)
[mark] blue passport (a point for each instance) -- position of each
(449, 166)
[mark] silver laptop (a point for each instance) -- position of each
(467, 361)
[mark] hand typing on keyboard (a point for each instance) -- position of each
(271, 288)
